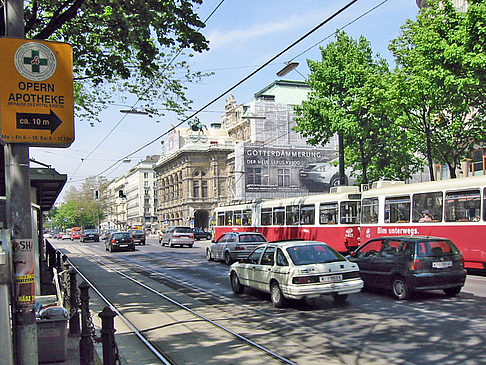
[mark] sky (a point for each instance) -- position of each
(243, 35)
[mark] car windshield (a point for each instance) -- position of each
(434, 248)
(90, 231)
(183, 230)
(137, 231)
(252, 238)
(313, 254)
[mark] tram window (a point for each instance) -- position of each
(397, 209)
(279, 216)
(266, 216)
(432, 202)
(328, 213)
(369, 210)
(237, 217)
(246, 217)
(350, 212)
(220, 218)
(228, 218)
(292, 215)
(307, 214)
(462, 206)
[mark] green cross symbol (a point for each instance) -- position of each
(35, 61)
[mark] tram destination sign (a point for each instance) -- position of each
(36, 92)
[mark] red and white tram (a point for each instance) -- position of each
(453, 208)
(332, 218)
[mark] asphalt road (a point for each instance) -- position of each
(371, 328)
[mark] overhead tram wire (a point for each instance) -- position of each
(344, 26)
(138, 100)
(237, 84)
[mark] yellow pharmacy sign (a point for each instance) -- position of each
(36, 92)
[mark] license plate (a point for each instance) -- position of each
(442, 265)
(330, 278)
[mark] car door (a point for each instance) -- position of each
(217, 248)
(249, 271)
(265, 271)
(387, 261)
(365, 257)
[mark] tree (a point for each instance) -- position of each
(122, 47)
(348, 97)
(439, 85)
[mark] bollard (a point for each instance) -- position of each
(65, 282)
(73, 304)
(110, 353)
(86, 350)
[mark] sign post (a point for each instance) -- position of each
(36, 109)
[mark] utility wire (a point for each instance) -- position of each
(237, 84)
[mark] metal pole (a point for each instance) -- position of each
(19, 220)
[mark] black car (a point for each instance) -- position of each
(138, 236)
(118, 241)
(200, 234)
(90, 235)
(411, 263)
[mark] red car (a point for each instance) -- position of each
(75, 236)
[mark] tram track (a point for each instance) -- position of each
(159, 353)
(285, 325)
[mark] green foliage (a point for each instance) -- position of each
(81, 209)
(349, 96)
(122, 47)
(439, 81)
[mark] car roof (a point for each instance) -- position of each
(412, 238)
(293, 243)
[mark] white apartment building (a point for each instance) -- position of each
(132, 198)
(140, 193)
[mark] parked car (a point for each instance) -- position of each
(90, 235)
(107, 233)
(75, 236)
(411, 263)
(296, 270)
(118, 241)
(138, 236)
(233, 246)
(177, 236)
(201, 234)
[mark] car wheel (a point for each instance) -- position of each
(209, 257)
(278, 300)
(340, 298)
(235, 284)
(451, 292)
(170, 244)
(400, 288)
(335, 180)
(227, 258)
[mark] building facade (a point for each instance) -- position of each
(116, 211)
(193, 176)
(270, 159)
(140, 194)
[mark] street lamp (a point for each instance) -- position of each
(289, 66)
(134, 111)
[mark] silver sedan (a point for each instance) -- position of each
(233, 246)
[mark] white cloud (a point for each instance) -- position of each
(219, 38)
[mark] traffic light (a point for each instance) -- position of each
(96, 194)
(120, 194)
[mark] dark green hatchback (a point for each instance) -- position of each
(411, 263)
